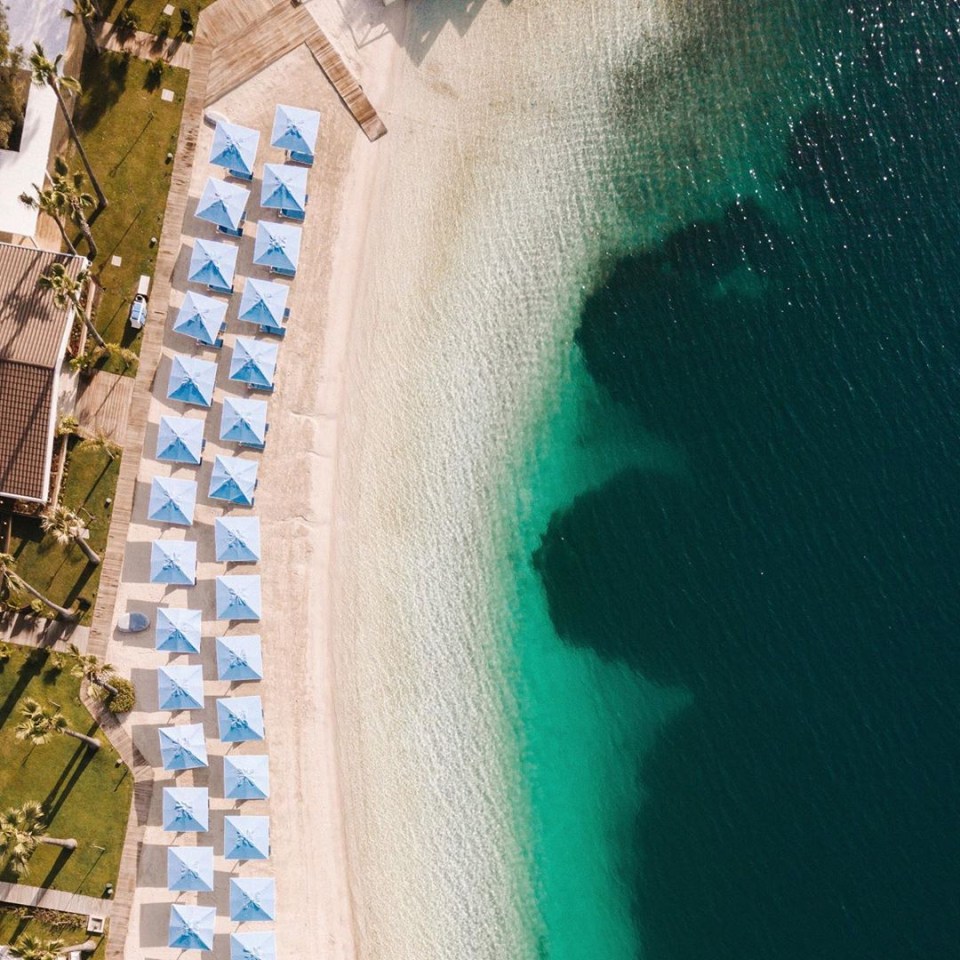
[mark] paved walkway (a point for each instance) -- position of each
(31, 631)
(145, 46)
(25, 896)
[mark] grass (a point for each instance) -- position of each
(127, 131)
(86, 795)
(149, 12)
(16, 922)
(63, 573)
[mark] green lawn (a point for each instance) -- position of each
(149, 12)
(63, 573)
(16, 922)
(127, 131)
(85, 795)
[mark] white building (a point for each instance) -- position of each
(31, 21)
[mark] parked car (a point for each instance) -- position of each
(138, 312)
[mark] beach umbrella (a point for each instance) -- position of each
(233, 479)
(264, 302)
(180, 687)
(172, 500)
(201, 318)
(190, 868)
(254, 362)
(240, 719)
(192, 380)
(285, 189)
(237, 539)
(235, 148)
(244, 421)
(295, 129)
(277, 246)
(213, 263)
(260, 945)
(246, 838)
(224, 204)
(180, 440)
(246, 777)
(178, 630)
(252, 898)
(191, 928)
(239, 658)
(186, 809)
(183, 747)
(173, 561)
(238, 598)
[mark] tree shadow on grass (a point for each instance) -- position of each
(31, 667)
(62, 857)
(104, 79)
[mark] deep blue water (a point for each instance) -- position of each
(801, 579)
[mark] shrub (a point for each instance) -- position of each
(125, 699)
(127, 23)
(163, 27)
(154, 78)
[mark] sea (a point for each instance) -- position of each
(667, 661)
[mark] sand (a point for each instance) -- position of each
(294, 501)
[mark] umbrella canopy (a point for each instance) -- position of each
(213, 263)
(192, 380)
(173, 561)
(224, 204)
(233, 479)
(240, 719)
(254, 362)
(252, 898)
(277, 246)
(246, 777)
(244, 421)
(246, 838)
(186, 809)
(190, 868)
(239, 658)
(201, 317)
(191, 928)
(180, 687)
(172, 500)
(238, 598)
(295, 129)
(253, 946)
(183, 747)
(178, 630)
(235, 148)
(237, 539)
(264, 302)
(180, 440)
(284, 188)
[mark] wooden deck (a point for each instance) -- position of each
(259, 41)
(104, 406)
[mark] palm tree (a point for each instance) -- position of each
(68, 190)
(40, 726)
(29, 947)
(68, 527)
(10, 580)
(66, 291)
(21, 831)
(88, 13)
(101, 440)
(90, 668)
(46, 201)
(47, 73)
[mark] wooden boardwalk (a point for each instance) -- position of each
(260, 41)
(104, 405)
(24, 896)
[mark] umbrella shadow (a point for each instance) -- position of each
(154, 924)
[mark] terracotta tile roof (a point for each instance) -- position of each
(33, 332)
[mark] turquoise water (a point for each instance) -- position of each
(734, 584)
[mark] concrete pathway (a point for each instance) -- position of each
(25, 896)
(145, 46)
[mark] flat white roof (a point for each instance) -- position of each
(30, 21)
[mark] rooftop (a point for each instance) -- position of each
(33, 337)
